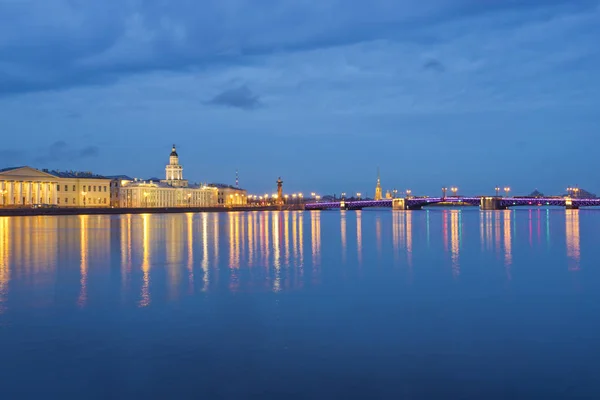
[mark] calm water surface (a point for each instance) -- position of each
(375, 304)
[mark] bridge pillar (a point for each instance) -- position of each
(398, 204)
(491, 203)
(343, 205)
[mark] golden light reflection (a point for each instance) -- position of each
(507, 242)
(125, 223)
(205, 270)
(301, 242)
(409, 251)
(276, 252)
(145, 293)
(489, 229)
(295, 235)
(286, 235)
(359, 236)
(4, 262)
(445, 229)
(175, 252)
(315, 233)
(572, 237)
(83, 259)
(251, 239)
(343, 234)
(454, 241)
(497, 234)
(190, 251)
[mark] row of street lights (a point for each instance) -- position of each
(506, 190)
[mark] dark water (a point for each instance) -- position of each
(457, 304)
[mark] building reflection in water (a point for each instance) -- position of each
(276, 253)
(145, 292)
(507, 242)
(204, 262)
(315, 228)
(190, 251)
(4, 262)
(378, 235)
(83, 259)
(125, 223)
(359, 236)
(175, 252)
(402, 234)
(409, 233)
(286, 237)
(445, 229)
(572, 237)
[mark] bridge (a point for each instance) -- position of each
(484, 202)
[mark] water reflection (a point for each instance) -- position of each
(83, 266)
(157, 257)
(145, 292)
(4, 261)
(572, 236)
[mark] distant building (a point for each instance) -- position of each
(27, 186)
(378, 194)
(173, 191)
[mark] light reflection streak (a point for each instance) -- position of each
(572, 237)
(125, 250)
(548, 227)
(145, 293)
(301, 242)
(250, 239)
(409, 251)
(83, 267)
(488, 229)
(204, 263)
(445, 230)
(507, 243)
(359, 236)
(396, 234)
(4, 262)
(295, 234)
(454, 245)
(497, 235)
(343, 234)
(378, 234)
(276, 253)
(315, 232)
(286, 236)
(190, 251)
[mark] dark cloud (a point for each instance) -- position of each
(240, 97)
(64, 43)
(62, 151)
(434, 65)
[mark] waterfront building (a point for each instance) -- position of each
(173, 191)
(26, 186)
(82, 189)
(228, 195)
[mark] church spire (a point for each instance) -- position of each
(378, 194)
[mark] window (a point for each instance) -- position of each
(66, 200)
(66, 188)
(58, 200)
(74, 188)
(94, 188)
(57, 187)
(105, 188)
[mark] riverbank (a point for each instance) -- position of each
(14, 212)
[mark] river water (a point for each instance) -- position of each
(373, 304)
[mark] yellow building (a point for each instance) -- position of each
(82, 189)
(230, 195)
(26, 186)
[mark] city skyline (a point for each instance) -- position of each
(437, 94)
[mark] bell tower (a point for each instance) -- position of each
(174, 171)
(378, 195)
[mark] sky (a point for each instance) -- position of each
(466, 93)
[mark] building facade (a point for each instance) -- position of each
(26, 186)
(173, 191)
(82, 189)
(229, 196)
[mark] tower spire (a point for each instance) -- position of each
(237, 179)
(378, 194)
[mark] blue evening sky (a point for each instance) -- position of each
(472, 93)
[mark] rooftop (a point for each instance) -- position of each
(75, 174)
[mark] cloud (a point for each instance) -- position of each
(434, 65)
(240, 97)
(60, 151)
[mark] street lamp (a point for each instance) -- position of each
(506, 190)
(444, 189)
(343, 195)
(83, 194)
(454, 190)
(358, 195)
(575, 191)
(395, 192)
(497, 191)
(408, 192)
